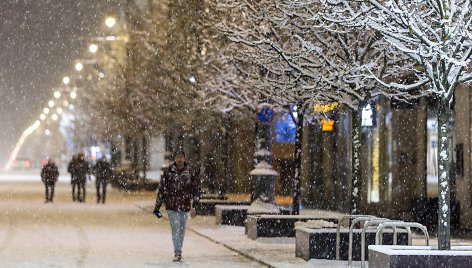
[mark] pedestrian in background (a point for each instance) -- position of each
(49, 175)
(177, 188)
(73, 182)
(81, 169)
(103, 174)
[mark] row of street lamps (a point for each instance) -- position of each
(56, 106)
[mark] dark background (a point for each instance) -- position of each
(39, 40)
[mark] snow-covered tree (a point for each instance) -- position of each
(307, 61)
(436, 35)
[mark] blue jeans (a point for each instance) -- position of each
(177, 220)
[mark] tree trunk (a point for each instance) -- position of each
(356, 170)
(298, 165)
(145, 155)
(445, 115)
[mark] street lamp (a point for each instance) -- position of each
(66, 80)
(110, 22)
(93, 48)
(79, 66)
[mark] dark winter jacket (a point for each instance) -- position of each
(71, 169)
(177, 188)
(102, 171)
(81, 169)
(49, 173)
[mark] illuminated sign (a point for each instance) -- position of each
(327, 125)
(324, 108)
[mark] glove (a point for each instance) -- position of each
(195, 201)
(157, 213)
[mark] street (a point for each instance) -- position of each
(117, 234)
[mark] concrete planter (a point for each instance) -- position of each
(231, 214)
(419, 256)
(321, 243)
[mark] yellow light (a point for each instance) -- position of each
(57, 94)
(79, 66)
(59, 110)
(73, 95)
(66, 80)
(54, 117)
(46, 110)
(51, 103)
(110, 22)
(93, 48)
(324, 108)
(42, 116)
(327, 125)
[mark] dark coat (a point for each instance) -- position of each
(81, 169)
(177, 188)
(49, 173)
(71, 169)
(102, 170)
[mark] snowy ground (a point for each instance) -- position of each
(117, 234)
(123, 233)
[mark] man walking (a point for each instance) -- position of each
(177, 188)
(81, 168)
(49, 175)
(103, 173)
(73, 181)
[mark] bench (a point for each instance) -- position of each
(207, 206)
(278, 225)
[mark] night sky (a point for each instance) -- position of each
(39, 40)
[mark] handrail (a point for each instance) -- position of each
(395, 235)
(366, 225)
(338, 231)
(351, 228)
(404, 225)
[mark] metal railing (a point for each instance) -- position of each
(351, 229)
(367, 224)
(338, 231)
(407, 225)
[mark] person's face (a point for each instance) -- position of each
(180, 160)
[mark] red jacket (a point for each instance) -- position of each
(177, 188)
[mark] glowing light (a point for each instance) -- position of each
(59, 110)
(57, 94)
(42, 116)
(46, 110)
(73, 95)
(54, 117)
(79, 67)
(47, 132)
(20, 142)
(66, 80)
(110, 22)
(93, 48)
(65, 103)
(51, 103)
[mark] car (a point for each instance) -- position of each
(21, 164)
